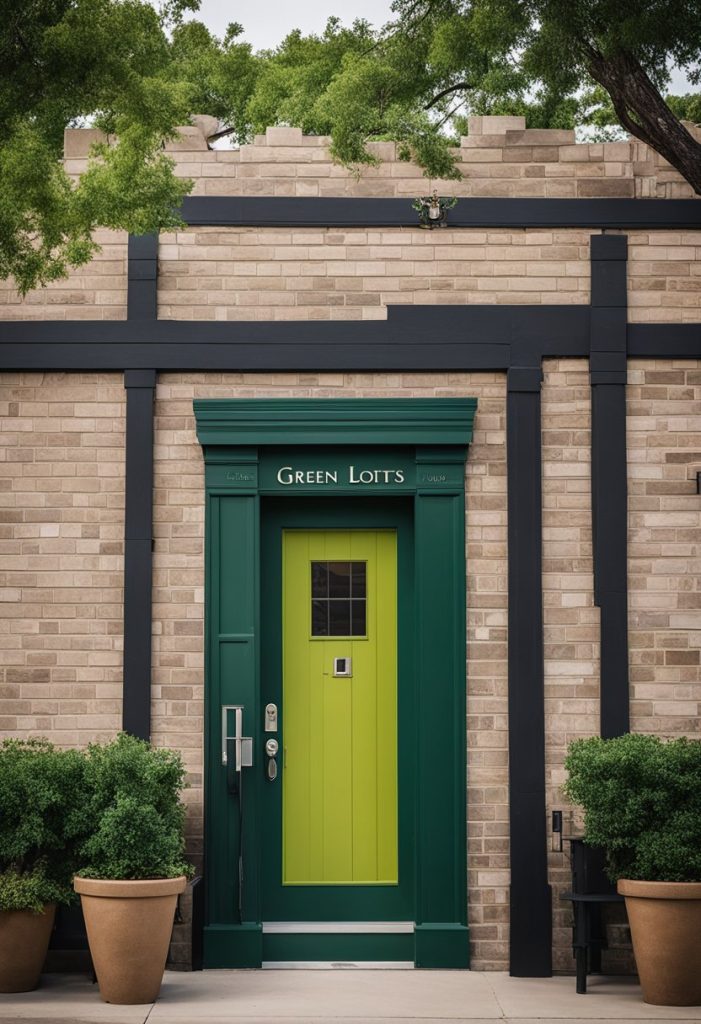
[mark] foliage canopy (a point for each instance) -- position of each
(41, 823)
(137, 72)
(642, 804)
(136, 819)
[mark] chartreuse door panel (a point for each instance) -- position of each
(338, 662)
(339, 776)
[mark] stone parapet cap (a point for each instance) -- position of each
(500, 157)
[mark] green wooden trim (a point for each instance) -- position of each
(341, 903)
(225, 945)
(369, 946)
(442, 945)
(243, 442)
(336, 421)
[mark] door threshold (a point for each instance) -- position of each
(338, 965)
(338, 927)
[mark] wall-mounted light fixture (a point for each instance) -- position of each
(433, 210)
(557, 832)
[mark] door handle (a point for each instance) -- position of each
(236, 749)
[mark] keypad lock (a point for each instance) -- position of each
(271, 749)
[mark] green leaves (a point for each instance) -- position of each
(113, 811)
(60, 64)
(41, 822)
(134, 817)
(642, 803)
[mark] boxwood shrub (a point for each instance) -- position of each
(134, 810)
(42, 823)
(642, 804)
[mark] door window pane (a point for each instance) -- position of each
(339, 598)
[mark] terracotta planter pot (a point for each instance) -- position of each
(24, 939)
(665, 924)
(129, 925)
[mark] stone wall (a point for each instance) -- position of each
(179, 601)
(62, 542)
(664, 552)
(62, 461)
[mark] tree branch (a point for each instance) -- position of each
(643, 112)
(447, 92)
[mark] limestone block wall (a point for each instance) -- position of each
(61, 555)
(570, 619)
(664, 552)
(354, 274)
(179, 602)
(62, 460)
(97, 291)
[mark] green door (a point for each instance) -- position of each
(337, 830)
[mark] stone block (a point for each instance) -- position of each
(189, 139)
(283, 136)
(540, 137)
(77, 141)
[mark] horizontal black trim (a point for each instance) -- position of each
(426, 338)
(344, 211)
(664, 341)
(480, 338)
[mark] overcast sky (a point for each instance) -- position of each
(267, 22)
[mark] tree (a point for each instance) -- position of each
(559, 62)
(137, 72)
(63, 61)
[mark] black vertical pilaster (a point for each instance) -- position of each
(138, 532)
(531, 901)
(607, 367)
(142, 277)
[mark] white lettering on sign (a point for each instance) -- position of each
(376, 476)
(288, 475)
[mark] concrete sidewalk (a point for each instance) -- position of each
(343, 997)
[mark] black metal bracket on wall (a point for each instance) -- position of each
(514, 339)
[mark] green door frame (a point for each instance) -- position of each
(343, 448)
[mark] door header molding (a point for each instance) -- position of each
(336, 421)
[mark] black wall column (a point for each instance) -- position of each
(609, 473)
(142, 274)
(142, 305)
(138, 543)
(531, 923)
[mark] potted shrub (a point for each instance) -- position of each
(132, 866)
(642, 804)
(41, 824)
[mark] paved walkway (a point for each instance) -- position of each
(344, 997)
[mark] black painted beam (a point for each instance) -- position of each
(607, 371)
(421, 338)
(142, 277)
(664, 341)
(138, 545)
(530, 895)
(344, 211)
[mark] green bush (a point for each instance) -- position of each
(41, 823)
(642, 804)
(133, 805)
